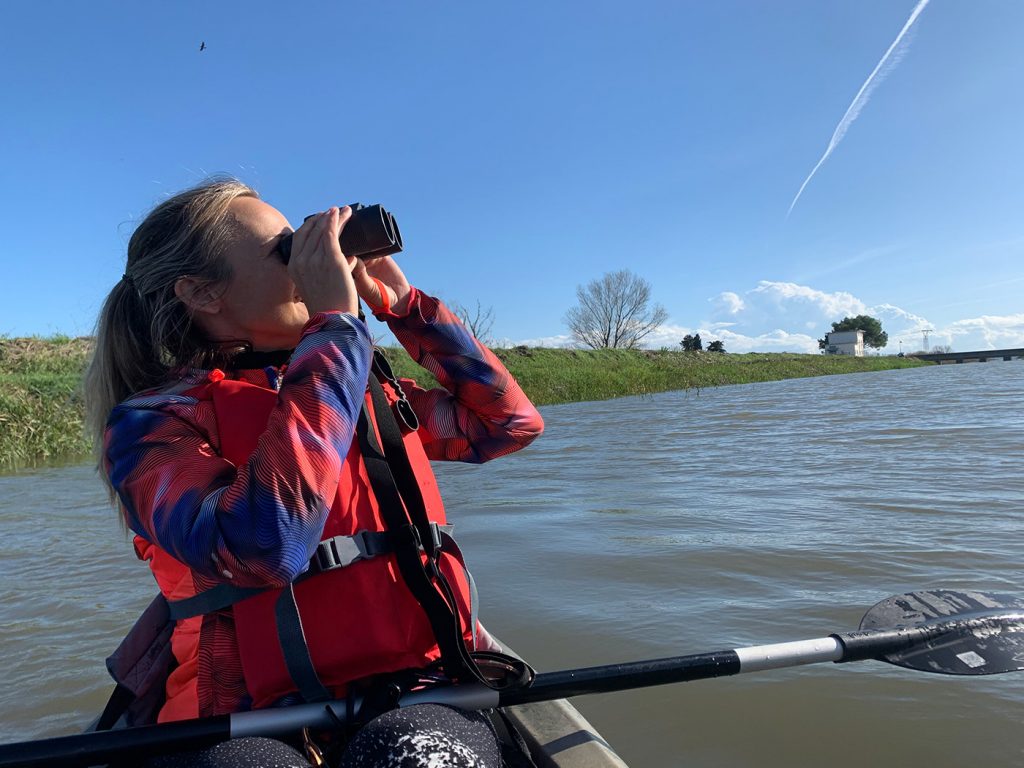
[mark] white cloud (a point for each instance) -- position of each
(728, 301)
(784, 316)
(896, 314)
(986, 332)
(777, 340)
(668, 336)
(560, 341)
(839, 304)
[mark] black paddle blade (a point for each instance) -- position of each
(976, 633)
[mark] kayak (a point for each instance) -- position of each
(560, 737)
(557, 735)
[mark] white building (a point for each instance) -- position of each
(845, 343)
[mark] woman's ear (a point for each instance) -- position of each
(198, 295)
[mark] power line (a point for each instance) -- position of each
(925, 332)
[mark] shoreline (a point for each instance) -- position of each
(41, 407)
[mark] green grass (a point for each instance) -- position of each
(41, 409)
(563, 375)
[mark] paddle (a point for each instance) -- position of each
(942, 631)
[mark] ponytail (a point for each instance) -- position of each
(144, 331)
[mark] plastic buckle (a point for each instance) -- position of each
(385, 366)
(362, 542)
(326, 555)
(339, 551)
(435, 538)
(406, 413)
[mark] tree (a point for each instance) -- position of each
(716, 346)
(614, 312)
(874, 336)
(692, 343)
(479, 323)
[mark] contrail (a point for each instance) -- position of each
(862, 97)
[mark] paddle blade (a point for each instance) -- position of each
(976, 633)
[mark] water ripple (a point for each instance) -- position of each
(647, 527)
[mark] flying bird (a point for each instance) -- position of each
(202, 46)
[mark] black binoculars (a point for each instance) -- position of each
(370, 233)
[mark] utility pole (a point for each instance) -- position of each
(925, 332)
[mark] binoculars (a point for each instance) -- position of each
(370, 233)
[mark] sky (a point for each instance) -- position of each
(768, 167)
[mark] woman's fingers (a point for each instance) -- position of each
(388, 272)
(318, 268)
(370, 288)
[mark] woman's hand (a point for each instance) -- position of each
(321, 272)
(391, 278)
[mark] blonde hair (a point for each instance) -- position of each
(144, 330)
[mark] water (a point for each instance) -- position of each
(650, 527)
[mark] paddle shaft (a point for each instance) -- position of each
(145, 741)
(133, 744)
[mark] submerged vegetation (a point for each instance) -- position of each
(41, 409)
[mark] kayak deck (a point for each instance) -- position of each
(560, 737)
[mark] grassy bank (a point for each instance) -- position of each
(567, 376)
(40, 399)
(41, 405)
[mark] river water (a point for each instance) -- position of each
(646, 527)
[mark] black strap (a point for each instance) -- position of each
(406, 519)
(296, 651)
(335, 552)
(117, 705)
(400, 473)
(210, 600)
(403, 408)
(396, 478)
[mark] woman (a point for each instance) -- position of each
(229, 396)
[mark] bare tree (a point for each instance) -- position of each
(614, 312)
(479, 323)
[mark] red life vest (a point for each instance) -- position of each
(359, 620)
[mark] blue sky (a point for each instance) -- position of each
(528, 148)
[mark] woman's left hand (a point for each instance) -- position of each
(391, 277)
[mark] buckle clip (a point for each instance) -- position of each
(435, 539)
(340, 551)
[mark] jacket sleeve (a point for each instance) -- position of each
(256, 524)
(480, 412)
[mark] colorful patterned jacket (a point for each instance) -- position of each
(258, 524)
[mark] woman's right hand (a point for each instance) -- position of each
(321, 272)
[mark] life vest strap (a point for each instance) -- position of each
(449, 545)
(401, 504)
(296, 652)
(382, 366)
(214, 599)
(342, 551)
(292, 637)
(335, 552)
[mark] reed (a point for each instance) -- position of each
(41, 411)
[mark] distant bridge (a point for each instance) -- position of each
(982, 356)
